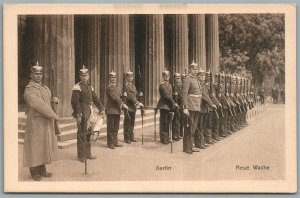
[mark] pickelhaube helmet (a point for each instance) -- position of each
(201, 72)
(166, 72)
(112, 74)
(193, 64)
(129, 73)
(83, 70)
(37, 68)
(177, 75)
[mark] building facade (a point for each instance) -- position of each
(144, 44)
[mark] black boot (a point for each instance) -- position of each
(34, 172)
(43, 171)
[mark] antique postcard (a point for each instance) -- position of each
(160, 98)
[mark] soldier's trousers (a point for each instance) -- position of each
(223, 123)
(189, 131)
(83, 141)
(176, 125)
(182, 123)
(215, 126)
(200, 130)
(113, 122)
(208, 127)
(129, 125)
(164, 122)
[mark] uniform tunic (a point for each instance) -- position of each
(40, 143)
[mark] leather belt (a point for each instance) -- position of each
(195, 95)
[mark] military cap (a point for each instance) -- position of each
(83, 70)
(36, 68)
(112, 74)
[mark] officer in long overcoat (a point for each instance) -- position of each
(40, 143)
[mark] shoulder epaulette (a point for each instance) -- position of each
(76, 87)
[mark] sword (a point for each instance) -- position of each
(171, 114)
(155, 112)
(142, 114)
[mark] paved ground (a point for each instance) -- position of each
(261, 143)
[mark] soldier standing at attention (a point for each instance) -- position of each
(131, 101)
(191, 100)
(203, 133)
(83, 97)
(166, 104)
(40, 143)
(216, 116)
(176, 124)
(226, 106)
(114, 104)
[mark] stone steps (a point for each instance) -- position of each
(68, 128)
(67, 138)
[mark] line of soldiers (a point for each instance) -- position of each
(83, 98)
(202, 107)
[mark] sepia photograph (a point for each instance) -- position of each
(150, 98)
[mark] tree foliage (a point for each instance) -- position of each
(254, 42)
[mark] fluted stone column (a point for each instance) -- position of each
(154, 58)
(131, 43)
(90, 45)
(54, 49)
(197, 48)
(179, 44)
(116, 55)
(212, 45)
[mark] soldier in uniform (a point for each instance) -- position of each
(246, 104)
(40, 142)
(130, 99)
(226, 107)
(203, 132)
(240, 100)
(191, 101)
(113, 108)
(166, 105)
(216, 116)
(233, 97)
(177, 96)
(232, 115)
(83, 97)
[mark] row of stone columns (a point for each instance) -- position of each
(53, 47)
(107, 43)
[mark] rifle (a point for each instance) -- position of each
(171, 114)
(54, 101)
(155, 112)
(141, 99)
